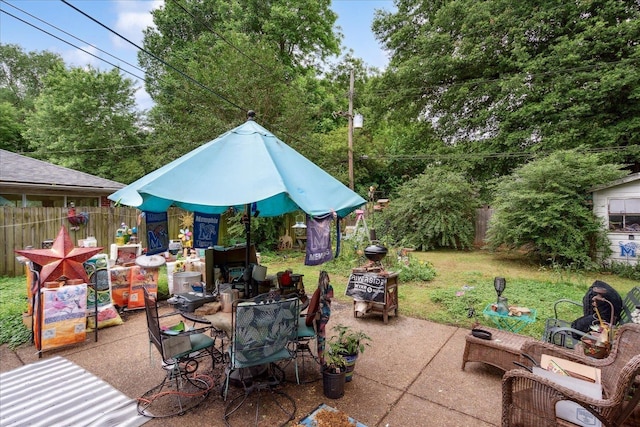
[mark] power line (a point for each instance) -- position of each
(489, 155)
(67, 42)
(70, 35)
(183, 74)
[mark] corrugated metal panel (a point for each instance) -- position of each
(57, 392)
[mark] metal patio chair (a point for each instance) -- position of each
(262, 331)
(182, 351)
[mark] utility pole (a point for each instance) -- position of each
(349, 115)
(351, 89)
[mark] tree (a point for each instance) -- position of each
(22, 74)
(219, 59)
(21, 80)
(499, 76)
(434, 210)
(544, 208)
(84, 119)
(10, 128)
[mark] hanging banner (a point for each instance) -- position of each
(318, 240)
(205, 230)
(157, 232)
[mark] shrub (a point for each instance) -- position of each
(544, 207)
(434, 210)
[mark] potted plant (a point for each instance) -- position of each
(333, 371)
(349, 343)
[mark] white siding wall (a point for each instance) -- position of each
(625, 245)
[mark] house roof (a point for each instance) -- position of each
(22, 172)
(629, 178)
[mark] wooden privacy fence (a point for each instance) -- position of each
(22, 227)
(482, 225)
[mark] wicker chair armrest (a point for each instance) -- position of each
(536, 349)
(522, 389)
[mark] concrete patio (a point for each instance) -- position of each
(409, 376)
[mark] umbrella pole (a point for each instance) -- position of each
(247, 229)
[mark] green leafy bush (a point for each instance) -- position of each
(414, 270)
(544, 207)
(626, 270)
(434, 210)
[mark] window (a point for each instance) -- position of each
(624, 215)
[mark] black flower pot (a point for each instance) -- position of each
(333, 383)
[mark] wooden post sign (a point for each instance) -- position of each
(366, 287)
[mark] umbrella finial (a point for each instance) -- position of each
(251, 115)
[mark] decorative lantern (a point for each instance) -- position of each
(300, 228)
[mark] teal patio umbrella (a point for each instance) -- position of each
(245, 168)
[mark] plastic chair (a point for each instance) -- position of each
(182, 350)
(262, 332)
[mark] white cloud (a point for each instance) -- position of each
(78, 58)
(143, 100)
(133, 17)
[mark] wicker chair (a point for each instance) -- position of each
(530, 400)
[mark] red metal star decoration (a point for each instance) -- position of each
(63, 259)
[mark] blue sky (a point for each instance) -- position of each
(129, 17)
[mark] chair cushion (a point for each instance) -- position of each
(305, 331)
(198, 342)
(280, 355)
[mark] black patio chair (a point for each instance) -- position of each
(182, 351)
(567, 334)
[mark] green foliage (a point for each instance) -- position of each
(82, 112)
(334, 361)
(534, 294)
(625, 270)
(415, 270)
(519, 78)
(264, 231)
(13, 302)
(245, 55)
(543, 207)
(348, 341)
(10, 128)
(22, 74)
(22, 78)
(436, 209)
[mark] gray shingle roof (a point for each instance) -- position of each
(16, 169)
(629, 178)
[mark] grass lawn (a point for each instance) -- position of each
(463, 280)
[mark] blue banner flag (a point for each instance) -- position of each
(157, 232)
(205, 230)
